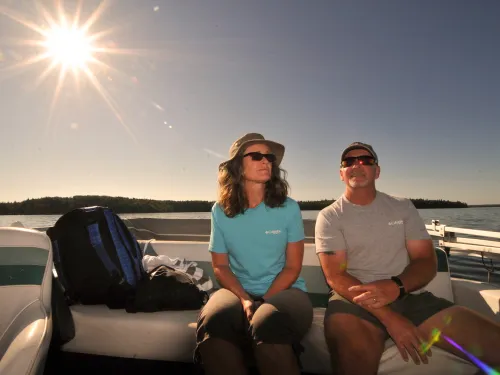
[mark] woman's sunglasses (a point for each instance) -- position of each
(257, 156)
(362, 160)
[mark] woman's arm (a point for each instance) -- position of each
(294, 252)
(226, 277)
(291, 271)
(220, 259)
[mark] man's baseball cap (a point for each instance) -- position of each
(360, 146)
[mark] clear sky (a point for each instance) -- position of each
(419, 80)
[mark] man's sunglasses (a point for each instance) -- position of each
(257, 156)
(363, 160)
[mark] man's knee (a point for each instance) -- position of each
(351, 333)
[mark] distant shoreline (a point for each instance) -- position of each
(188, 212)
(122, 205)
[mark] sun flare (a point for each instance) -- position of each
(69, 47)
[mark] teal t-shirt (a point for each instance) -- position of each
(256, 242)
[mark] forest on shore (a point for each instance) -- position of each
(122, 205)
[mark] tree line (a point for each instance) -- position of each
(61, 205)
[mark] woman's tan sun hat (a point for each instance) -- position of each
(251, 139)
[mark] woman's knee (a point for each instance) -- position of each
(272, 326)
(283, 322)
(219, 317)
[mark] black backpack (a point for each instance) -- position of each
(165, 288)
(97, 259)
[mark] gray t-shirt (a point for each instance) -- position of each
(373, 235)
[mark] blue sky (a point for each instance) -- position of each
(419, 80)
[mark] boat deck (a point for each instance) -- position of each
(75, 364)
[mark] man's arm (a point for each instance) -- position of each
(331, 249)
(423, 261)
(334, 269)
(418, 273)
(423, 265)
(407, 337)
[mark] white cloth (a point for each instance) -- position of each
(204, 283)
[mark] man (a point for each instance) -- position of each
(377, 258)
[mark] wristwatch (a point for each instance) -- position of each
(402, 290)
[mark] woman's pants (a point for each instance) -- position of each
(226, 340)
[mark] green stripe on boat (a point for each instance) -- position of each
(21, 275)
(19, 256)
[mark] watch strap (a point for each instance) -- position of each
(402, 290)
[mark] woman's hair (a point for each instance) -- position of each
(232, 197)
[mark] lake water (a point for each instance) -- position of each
(484, 218)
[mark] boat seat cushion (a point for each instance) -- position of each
(25, 344)
(481, 295)
(441, 284)
(170, 335)
(315, 358)
(25, 282)
(162, 335)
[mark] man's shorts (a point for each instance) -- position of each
(415, 307)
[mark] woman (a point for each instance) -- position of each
(257, 247)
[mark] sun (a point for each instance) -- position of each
(69, 47)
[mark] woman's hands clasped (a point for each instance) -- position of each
(250, 306)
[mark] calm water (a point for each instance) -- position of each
(484, 218)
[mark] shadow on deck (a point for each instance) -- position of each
(84, 364)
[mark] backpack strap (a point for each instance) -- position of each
(126, 242)
(123, 253)
(96, 241)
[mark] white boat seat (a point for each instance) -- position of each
(441, 361)
(316, 357)
(25, 292)
(483, 296)
(170, 335)
(163, 335)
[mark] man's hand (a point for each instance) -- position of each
(407, 338)
(376, 294)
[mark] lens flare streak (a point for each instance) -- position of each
(435, 335)
(483, 366)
